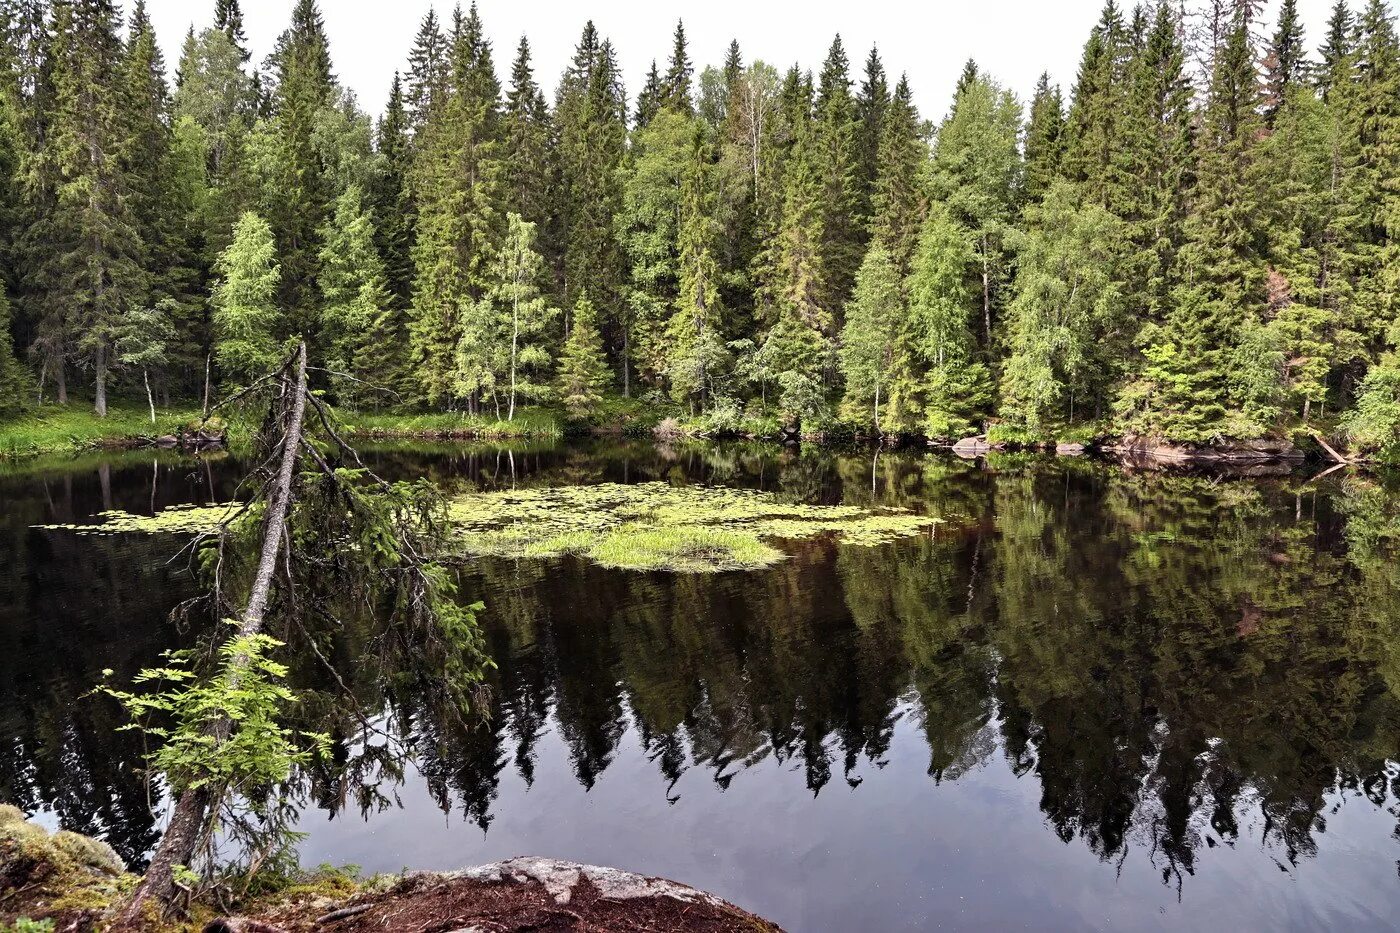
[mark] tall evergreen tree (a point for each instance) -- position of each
(358, 330)
(898, 200)
(428, 71)
(836, 159)
(1093, 130)
(583, 369)
(1044, 138)
(526, 132)
(676, 91)
(1286, 61)
(300, 199)
(393, 205)
(246, 317)
(458, 187)
(91, 268)
(1334, 66)
(872, 105)
(591, 117)
(696, 349)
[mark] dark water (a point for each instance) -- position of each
(1093, 699)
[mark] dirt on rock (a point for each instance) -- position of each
(518, 895)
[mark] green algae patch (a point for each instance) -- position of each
(656, 526)
(179, 519)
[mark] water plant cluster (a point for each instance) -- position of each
(643, 526)
(657, 526)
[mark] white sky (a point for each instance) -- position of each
(1014, 40)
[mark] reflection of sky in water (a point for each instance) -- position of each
(1148, 646)
(898, 852)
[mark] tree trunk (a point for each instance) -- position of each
(187, 822)
(100, 365)
(208, 360)
(150, 399)
(514, 343)
(61, 378)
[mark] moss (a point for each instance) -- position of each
(63, 875)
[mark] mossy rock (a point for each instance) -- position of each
(66, 876)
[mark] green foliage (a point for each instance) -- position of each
(583, 370)
(183, 712)
(357, 324)
(246, 315)
(869, 341)
(654, 526)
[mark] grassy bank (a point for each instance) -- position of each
(57, 429)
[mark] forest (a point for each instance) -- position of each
(1199, 241)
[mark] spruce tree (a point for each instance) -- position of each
(583, 369)
(247, 321)
(1093, 130)
(873, 103)
(91, 242)
(1286, 62)
(835, 158)
(898, 201)
(591, 119)
(428, 72)
(1044, 138)
(696, 346)
(394, 209)
(649, 97)
(300, 198)
(15, 385)
(458, 185)
(1334, 65)
(358, 329)
(526, 132)
(675, 91)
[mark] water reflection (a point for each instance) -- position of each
(1177, 662)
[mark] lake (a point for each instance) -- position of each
(1091, 697)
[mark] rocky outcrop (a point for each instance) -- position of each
(1251, 451)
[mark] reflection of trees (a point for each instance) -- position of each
(1166, 654)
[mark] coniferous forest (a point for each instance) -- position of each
(1199, 240)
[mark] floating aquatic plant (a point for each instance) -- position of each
(177, 519)
(646, 526)
(656, 526)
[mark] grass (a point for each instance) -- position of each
(56, 429)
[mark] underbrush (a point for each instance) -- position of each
(54, 428)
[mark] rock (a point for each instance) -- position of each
(1069, 449)
(972, 446)
(167, 440)
(1229, 452)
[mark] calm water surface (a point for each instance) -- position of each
(1093, 699)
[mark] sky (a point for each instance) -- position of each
(1014, 40)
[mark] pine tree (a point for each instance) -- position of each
(583, 369)
(1044, 139)
(358, 328)
(246, 317)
